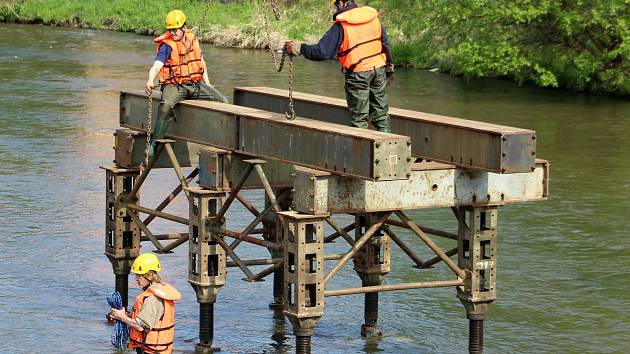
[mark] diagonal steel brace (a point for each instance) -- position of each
(356, 247)
(340, 231)
(146, 231)
(248, 273)
(178, 169)
(438, 251)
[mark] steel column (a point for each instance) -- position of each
(207, 261)
(122, 235)
(274, 234)
(304, 273)
(477, 254)
(372, 263)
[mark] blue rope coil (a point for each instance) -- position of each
(120, 335)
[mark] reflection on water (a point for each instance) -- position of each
(562, 280)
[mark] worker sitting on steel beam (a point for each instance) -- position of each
(180, 70)
(359, 41)
(151, 322)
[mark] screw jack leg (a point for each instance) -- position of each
(475, 336)
(206, 329)
(303, 344)
(122, 286)
(370, 329)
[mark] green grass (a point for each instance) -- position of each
(422, 34)
(143, 17)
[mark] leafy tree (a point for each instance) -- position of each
(577, 44)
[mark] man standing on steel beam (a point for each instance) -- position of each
(359, 41)
(180, 70)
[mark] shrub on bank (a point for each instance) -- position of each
(582, 46)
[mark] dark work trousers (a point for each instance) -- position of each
(173, 94)
(366, 94)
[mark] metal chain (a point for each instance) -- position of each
(149, 131)
(290, 113)
(267, 26)
(275, 8)
(203, 19)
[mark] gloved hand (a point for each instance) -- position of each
(389, 73)
(293, 48)
(149, 86)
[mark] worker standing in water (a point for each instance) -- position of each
(152, 319)
(180, 70)
(359, 41)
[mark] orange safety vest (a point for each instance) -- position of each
(185, 63)
(160, 338)
(362, 47)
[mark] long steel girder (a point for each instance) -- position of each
(459, 142)
(431, 185)
(324, 146)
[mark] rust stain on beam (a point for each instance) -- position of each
(326, 146)
(465, 143)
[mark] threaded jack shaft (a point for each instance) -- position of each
(303, 345)
(122, 286)
(206, 323)
(475, 336)
(371, 308)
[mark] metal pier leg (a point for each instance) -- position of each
(122, 286)
(274, 234)
(372, 263)
(207, 263)
(206, 327)
(304, 274)
(478, 257)
(122, 236)
(475, 336)
(303, 344)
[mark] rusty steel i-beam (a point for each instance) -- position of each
(460, 142)
(330, 147)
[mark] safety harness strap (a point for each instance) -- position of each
(351, 68)
(347, 51)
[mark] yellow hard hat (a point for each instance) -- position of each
(144, 263)
(175, 19)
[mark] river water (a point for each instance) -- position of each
(563, 279)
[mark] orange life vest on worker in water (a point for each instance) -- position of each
(362, 47)
(185, 63)
(160, 338)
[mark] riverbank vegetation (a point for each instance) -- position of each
(581, 45)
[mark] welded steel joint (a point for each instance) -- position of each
(304, 270)
(372, 261)
(207, 259)
(477, 255)
(122, 235)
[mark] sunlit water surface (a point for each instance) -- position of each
(563, 275)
